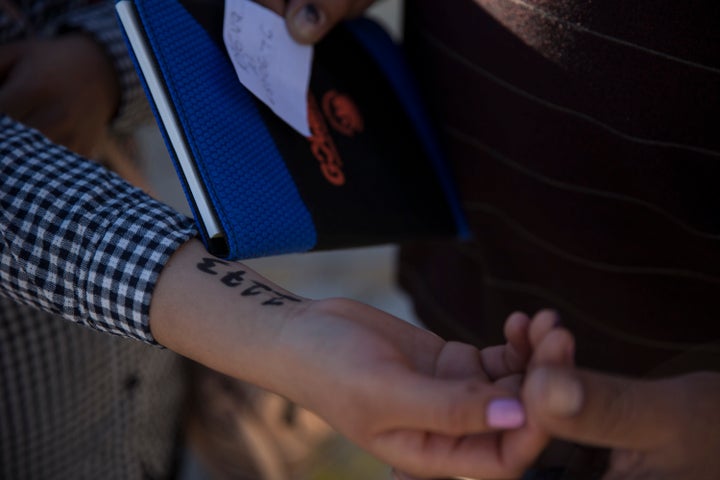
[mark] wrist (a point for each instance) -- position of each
(223, 314)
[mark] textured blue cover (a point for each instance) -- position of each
(219, 120)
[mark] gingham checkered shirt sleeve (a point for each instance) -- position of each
(99, 20)
(77, 240)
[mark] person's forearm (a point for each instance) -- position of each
(222, 314)
(78, 241)
(402, 393)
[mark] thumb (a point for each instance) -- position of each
(451, 406)
(598, 409)
(309, 20)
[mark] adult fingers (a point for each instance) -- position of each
(520, 447)
(600, 410)
(439, 441)
(449, 406)
(418, 454)
(309, 20)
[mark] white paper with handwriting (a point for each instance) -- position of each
(268, 62)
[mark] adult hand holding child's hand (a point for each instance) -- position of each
(508, 453)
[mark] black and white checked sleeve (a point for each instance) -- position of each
(100, 21)
(77, 240)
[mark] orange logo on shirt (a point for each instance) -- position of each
(322, 145)
(342, 113)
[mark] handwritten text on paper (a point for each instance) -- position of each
(268, 61)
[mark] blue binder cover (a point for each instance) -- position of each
(371, 173)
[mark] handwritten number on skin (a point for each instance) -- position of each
(237, 278)
(234, 279)
(207, 265)
(276, 298)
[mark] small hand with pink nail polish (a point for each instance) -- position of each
(514, 442)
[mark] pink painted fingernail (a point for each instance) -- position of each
(505, 413)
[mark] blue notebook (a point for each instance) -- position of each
(371, 173)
